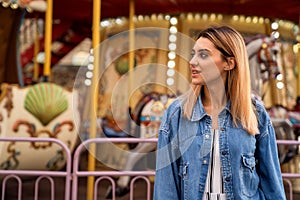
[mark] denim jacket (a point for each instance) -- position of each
(249, 164)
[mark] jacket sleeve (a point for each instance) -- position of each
(271, 184)
(167, 181)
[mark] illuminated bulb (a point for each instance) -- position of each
(87, 82)
(173, 29)
(171, 64)
(170, 81)
(172, 38)
(170, 72)
(140, 17)
(172, 46)
(275, 34)
(89, 74)
(171, 55)
(279, 85)
(173, 20)
(90, 67)
(274, 25)
(248, 19)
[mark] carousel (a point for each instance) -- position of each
(108, 70)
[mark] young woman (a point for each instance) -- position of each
(215, 142)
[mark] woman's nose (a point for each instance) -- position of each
(193, 62)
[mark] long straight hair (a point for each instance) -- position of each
(238, 87)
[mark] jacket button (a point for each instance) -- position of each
(224, 153)
(222, 129)
(227, 179)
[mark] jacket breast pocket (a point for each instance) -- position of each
(248, 176)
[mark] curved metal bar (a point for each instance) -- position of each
(113, 185)
(19, 185)
(132, 183)
(36, 192)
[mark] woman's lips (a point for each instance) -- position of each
(195, 73)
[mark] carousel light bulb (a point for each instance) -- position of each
(160, 17)
(5, 4)
(90, 67)
(213, 16)
(170, 72)
(172, 38)
(170, 81)
(279, 85)
(140, 17)
(14, 6)
(275, 34)
(255, 20)
(153, 17)
(242, 18)
(171, 64)
(173, 29)
(274, 25)
(105, 23)
(220, 17)
(173, 20)
(119, 21)
(172, 46)
(91, 59)
(279, 77)
(89, 74)
(197, 16)
(167, 17)
(189, 16)
(261, 20)
(248, 19)
(235, 17)
(205, 16)
(171, 55)
(87, 82)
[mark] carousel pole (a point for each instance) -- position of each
(131, 45)
(36, 51)
(298, 80)
(94, 92)
(48, 40)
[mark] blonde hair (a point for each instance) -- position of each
(238, 88)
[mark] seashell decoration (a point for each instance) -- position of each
(45, 101)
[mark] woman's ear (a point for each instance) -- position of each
(230, 63)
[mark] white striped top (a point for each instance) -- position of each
(214, 189)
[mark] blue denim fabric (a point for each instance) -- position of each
(250, 165)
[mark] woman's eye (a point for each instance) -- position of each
(203, 55)
(192, 55)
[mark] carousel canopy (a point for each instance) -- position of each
(81, 10)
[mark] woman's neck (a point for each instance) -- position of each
(213, 102)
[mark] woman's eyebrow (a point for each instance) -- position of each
(201, 50)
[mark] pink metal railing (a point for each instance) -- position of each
(287, 176)
(101, 175)
(40, 173)
(107, 174)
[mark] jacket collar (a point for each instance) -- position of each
(199, 112)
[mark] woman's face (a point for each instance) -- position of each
(207, 64)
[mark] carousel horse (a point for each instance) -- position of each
(263, 57)
(264, 65)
